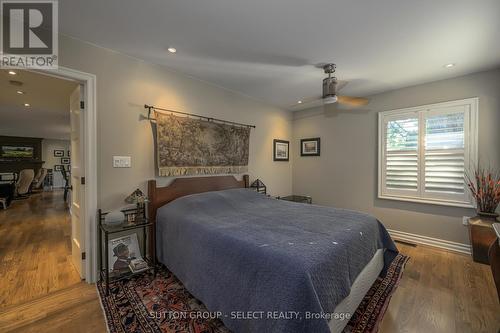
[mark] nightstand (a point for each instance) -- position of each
(140, 223)
(297, 198)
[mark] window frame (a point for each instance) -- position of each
(421, 112)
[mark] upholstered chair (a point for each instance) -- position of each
(38, 181)
(37, 175)
(24, 182)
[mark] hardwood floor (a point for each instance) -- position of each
(440, 292)
(443, 292)
(75, 309)
(35, 248)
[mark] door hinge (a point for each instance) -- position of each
(83, 255)
(82, 180)
(82, 105)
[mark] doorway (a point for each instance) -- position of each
(52, 220)
(87, 83)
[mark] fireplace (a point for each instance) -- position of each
(18, 153)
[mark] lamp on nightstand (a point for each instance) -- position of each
(139, 199)
(259, 186)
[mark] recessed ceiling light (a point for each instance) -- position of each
(172, 50)
(12, 73)
(20, 92)
(299, 102)
(27, 105)
(450, 65)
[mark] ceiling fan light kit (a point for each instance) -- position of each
(330, 99)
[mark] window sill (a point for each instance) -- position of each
(428, 201)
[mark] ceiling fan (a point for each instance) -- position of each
(330, 88)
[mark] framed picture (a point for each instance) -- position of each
(58, 167)
(310, 147)
(58, 152)
(65, 160)
(9, 151)
(121, 251)
(281, 149)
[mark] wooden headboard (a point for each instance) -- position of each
(159, 196)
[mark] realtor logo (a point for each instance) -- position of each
(29, 34)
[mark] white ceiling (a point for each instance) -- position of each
(268, 49)
(48, 115)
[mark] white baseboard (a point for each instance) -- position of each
(429, 241)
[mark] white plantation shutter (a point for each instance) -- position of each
(402, 171)
(424, 152)
(444, 171)
(445, 153)
(401, 158)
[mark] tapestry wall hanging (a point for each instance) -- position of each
(188, 146)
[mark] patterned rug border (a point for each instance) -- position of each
(382, 289)
(366, 318)
(101, 303)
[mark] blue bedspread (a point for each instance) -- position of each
(267, 264)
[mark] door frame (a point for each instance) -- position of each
(90, 157)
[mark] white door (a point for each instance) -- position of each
(78, 189)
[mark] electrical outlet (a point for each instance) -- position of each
(465, 220)
(122, 162)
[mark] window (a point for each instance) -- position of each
(425, 151)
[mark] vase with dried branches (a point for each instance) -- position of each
(484, 185)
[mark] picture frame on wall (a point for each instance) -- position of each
(310, 147)
(281, 150)
(65, 160)
(58, 152)
(58, 167)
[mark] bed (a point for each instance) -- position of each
(267, 265)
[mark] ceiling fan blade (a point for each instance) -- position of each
(341, 84)
(352, 101)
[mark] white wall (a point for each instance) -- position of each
(125, 84)
(48, 147)
(345, 175)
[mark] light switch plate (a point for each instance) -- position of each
(122, 161)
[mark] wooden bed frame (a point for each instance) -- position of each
(159, 196)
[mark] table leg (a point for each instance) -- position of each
(107, 261)
(144, 230)
(153, 237)
(100, 246)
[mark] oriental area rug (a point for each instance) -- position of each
(144, 303)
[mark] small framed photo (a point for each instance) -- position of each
(58, 152)
(310, 147)
(281, 150)
(65, 160)
(58, 167)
